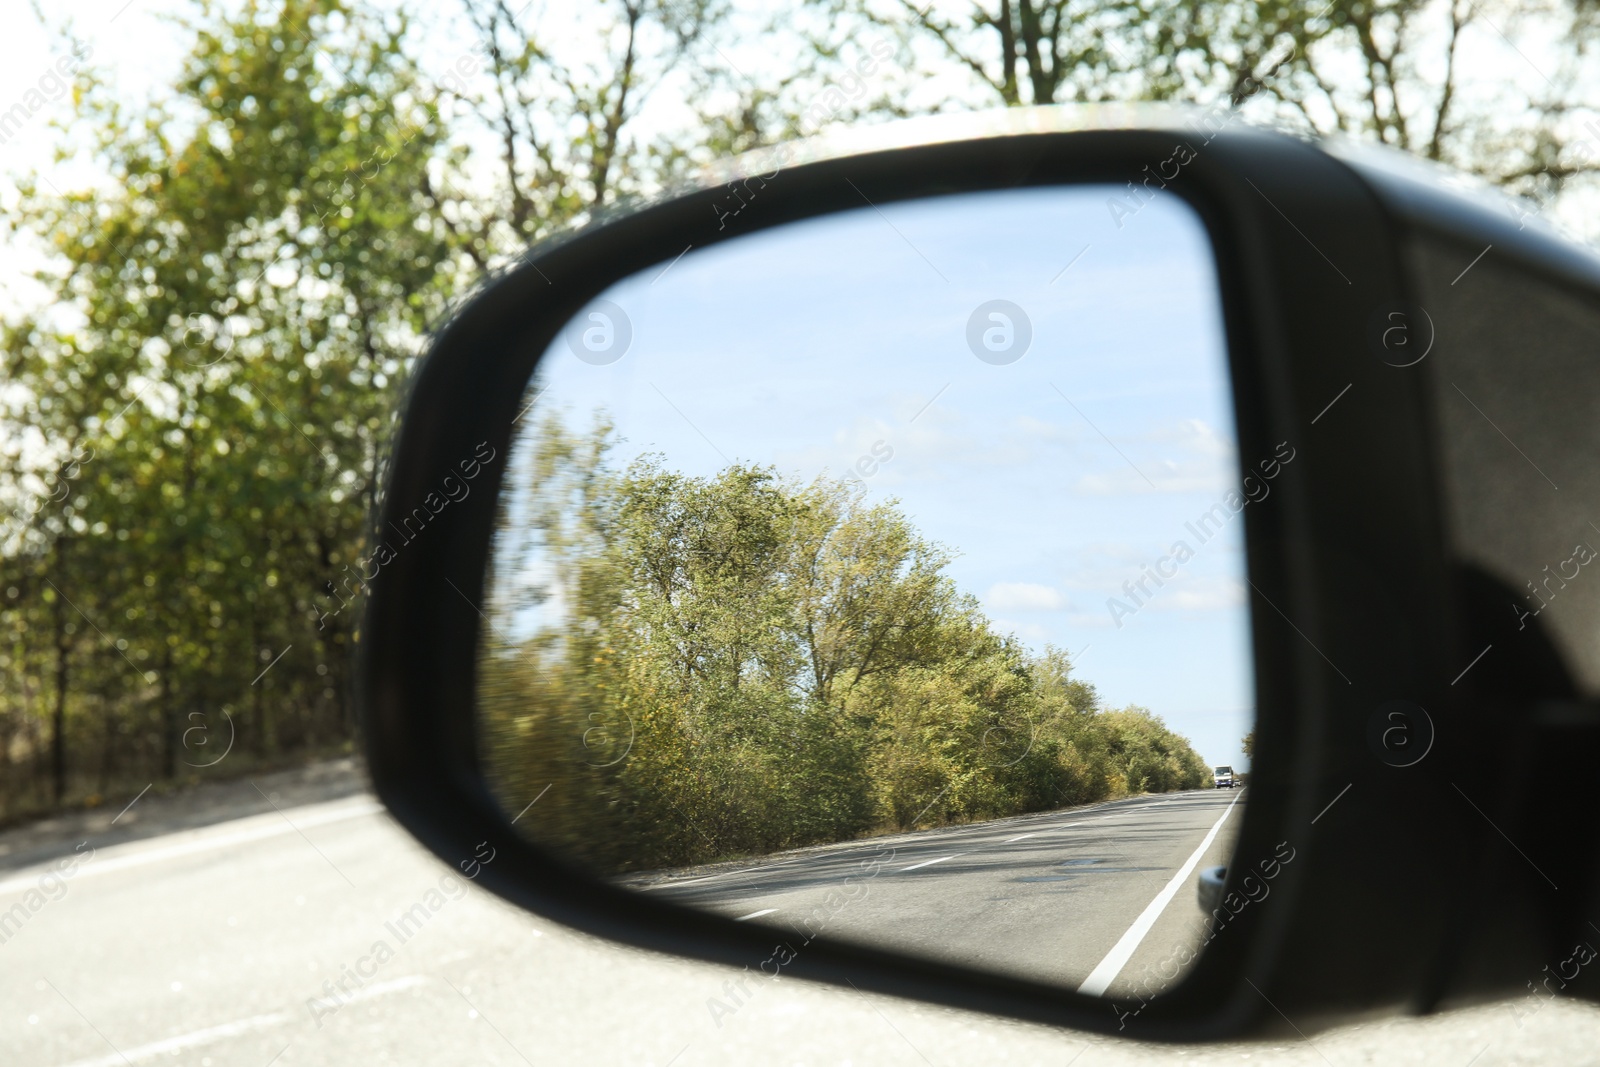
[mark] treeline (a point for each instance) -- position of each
(684, 669)
(195, 426)
(194, 411)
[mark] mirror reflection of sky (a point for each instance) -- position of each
(826, 345)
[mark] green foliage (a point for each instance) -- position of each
(194, 427)
(741, 663)
(1406, 73)
(208, 402)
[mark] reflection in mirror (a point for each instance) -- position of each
(878, 578)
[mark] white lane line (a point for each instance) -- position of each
(251, 828)
(379, 989)
(1019, 837)
(927, 863)
(741, 870)
(208, 1036)
(1126, 806)
(212, 1034)
(755, 914)
(1108, 969)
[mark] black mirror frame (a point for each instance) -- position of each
(1306, 255)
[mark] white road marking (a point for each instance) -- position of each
(211, 1035)
(210, 838)
(1108, 969)
(1019, 837)
(755, 914)
(737, 870)
(927, 863)
(378, 989)
(1124, 806)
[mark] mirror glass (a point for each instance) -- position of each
(880, 578)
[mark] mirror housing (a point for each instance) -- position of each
(1368, 873)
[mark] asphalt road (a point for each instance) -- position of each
(209, 945)
(1099, 898)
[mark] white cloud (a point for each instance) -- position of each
(1200, 438)
(1193, 457)
(1200, 593)
(1027, 631)
(1024, 596)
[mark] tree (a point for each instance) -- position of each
(702, 667)
(562, 126)
(1391, 71)
(234, 312)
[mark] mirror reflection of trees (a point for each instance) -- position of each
(706, 667)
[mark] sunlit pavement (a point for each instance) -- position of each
(323, 935)
(1103, 894)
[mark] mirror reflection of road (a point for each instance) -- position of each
(1101, 898)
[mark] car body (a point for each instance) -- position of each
(1223, 777)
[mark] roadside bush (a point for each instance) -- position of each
(738, 664)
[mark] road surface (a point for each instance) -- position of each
(1101, 898)
(210, 945)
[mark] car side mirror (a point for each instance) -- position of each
(682, 574)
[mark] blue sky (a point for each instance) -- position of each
(1057, 478)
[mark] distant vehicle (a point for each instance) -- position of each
(1223, 777)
